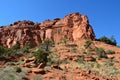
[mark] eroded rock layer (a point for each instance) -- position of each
(73, 27)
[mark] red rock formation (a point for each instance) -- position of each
(73, 27)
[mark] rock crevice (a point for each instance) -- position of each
(73, 27)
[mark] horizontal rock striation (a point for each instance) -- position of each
(73, 27)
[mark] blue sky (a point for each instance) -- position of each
(104, 15)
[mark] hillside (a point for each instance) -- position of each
(59, 49)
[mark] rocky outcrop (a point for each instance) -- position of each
(73, 27)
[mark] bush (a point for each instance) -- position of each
(26, 48)
(87, 44)
(81, 60)
(110, 40)
(15, 50)
(53, 59)
(2, 50)
(29, 45)
(9, 73)
(17, 69)
(40, 56)
(100, 52)
(10, 52)
(6, 52)
(46, 44)
(65, 40)
(15, 47)
(110, 52)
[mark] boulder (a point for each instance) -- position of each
(38, 71)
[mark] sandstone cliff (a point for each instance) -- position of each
(73, 27)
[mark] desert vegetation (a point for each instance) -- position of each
(57, 50)
(60, 57)
(107, 40)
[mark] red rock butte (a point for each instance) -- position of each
(73, 27)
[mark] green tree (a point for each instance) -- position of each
(110, 40)
(113, 41)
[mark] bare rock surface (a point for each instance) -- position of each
(73, 27)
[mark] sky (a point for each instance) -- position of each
(104, 15)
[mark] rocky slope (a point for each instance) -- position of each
(69, 62)
(74, 59)
(73, 27)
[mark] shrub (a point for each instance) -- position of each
(110, 52)
(53, 59)
(87, 44)
(2, 50)
(6, 52)
(40, 56)
(81, 60)
(9, 51)
(65, 41)
(29, 45)
(17, 69)
(100, 52)
(13, 50)
(46, 44)
(26, 48)
(9, 73)
(110, 40)
(15, 47)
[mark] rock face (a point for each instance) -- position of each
(73, 27)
